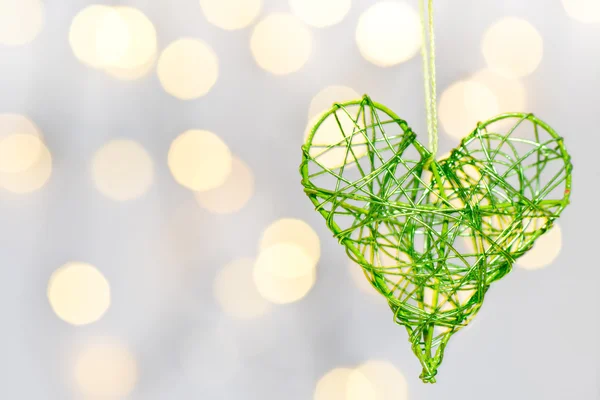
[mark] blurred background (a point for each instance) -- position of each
(156, 241)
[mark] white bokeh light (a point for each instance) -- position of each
(464, 104)
(233, 194)
(122, 170)
(389, 33)
(333, 385)
(586, 11)
(545, 250)
(231, 14)
(377, 380)
(188, 68)
(292, 231)
(199, 160)
(20, 21)
(326, 98)
(281, 44)
(78, 293)
(105, 369)
(513, 47)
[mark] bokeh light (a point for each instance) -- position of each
(281, 43)
(19, 152)
(510, 93)
(377, 380)
(319, 13)
(20, 21)
(464, 104)
(35, 176)
(130, 74)
(236, 293)
(285, 260)
(333, 386)
(292, 231)
(233, 194)
(545, 250)
(188, 68)
(199, 160)
(121, 40)
(282, 290)
(78, 293)
(389, 33)
(122, 170)
(586, 11)
(105, 369)
(231, 14)
(362, 282)
(326, 98)
(513, 47)
(84, 31)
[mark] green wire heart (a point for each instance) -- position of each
(432, 235)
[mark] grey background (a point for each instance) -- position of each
(535, 338)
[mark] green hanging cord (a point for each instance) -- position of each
(428, 54)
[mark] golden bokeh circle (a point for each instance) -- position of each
(333, 385)
(377, 380)
(19, 152)
(285, 260)
(34, 177)
(281, 44)
(236, 293)
(463, 104)
(292, 231)
(586, 11)
(78, 293)
(389, 33)
(319, 13)
(105, 369)
(20, 21)
(512, 47)
(511, 95)
(188, 68)
(326, 98)
(233, 194)
(122, 170)
(545, 250)
(231, 14)
(199, 160)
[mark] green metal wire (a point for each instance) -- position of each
(431, 236)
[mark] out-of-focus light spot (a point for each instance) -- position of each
(361, 281)
(19, 152)
(281, 43)
(326, 98)
(231, 14)
(122, 170)
(586, 11)
(130, 74)
(389, 33)
(320, 13)
(78, 293)
(377, 380)
(277, 273)
(188, 69)
(333, 386)
(32, 178)
(83, 34)
(106, 369)
(233, 194)
(113, 38)
(121, 40)
(236, 293)
(510, 93)
(140, 36)
(20, 21)
(464, 104)
(545, 250)
(329, 144)
(292, 231)
(11, 124)
(285, 260)
(513, 47)
(200, 160)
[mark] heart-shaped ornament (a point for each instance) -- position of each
(432, 235)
